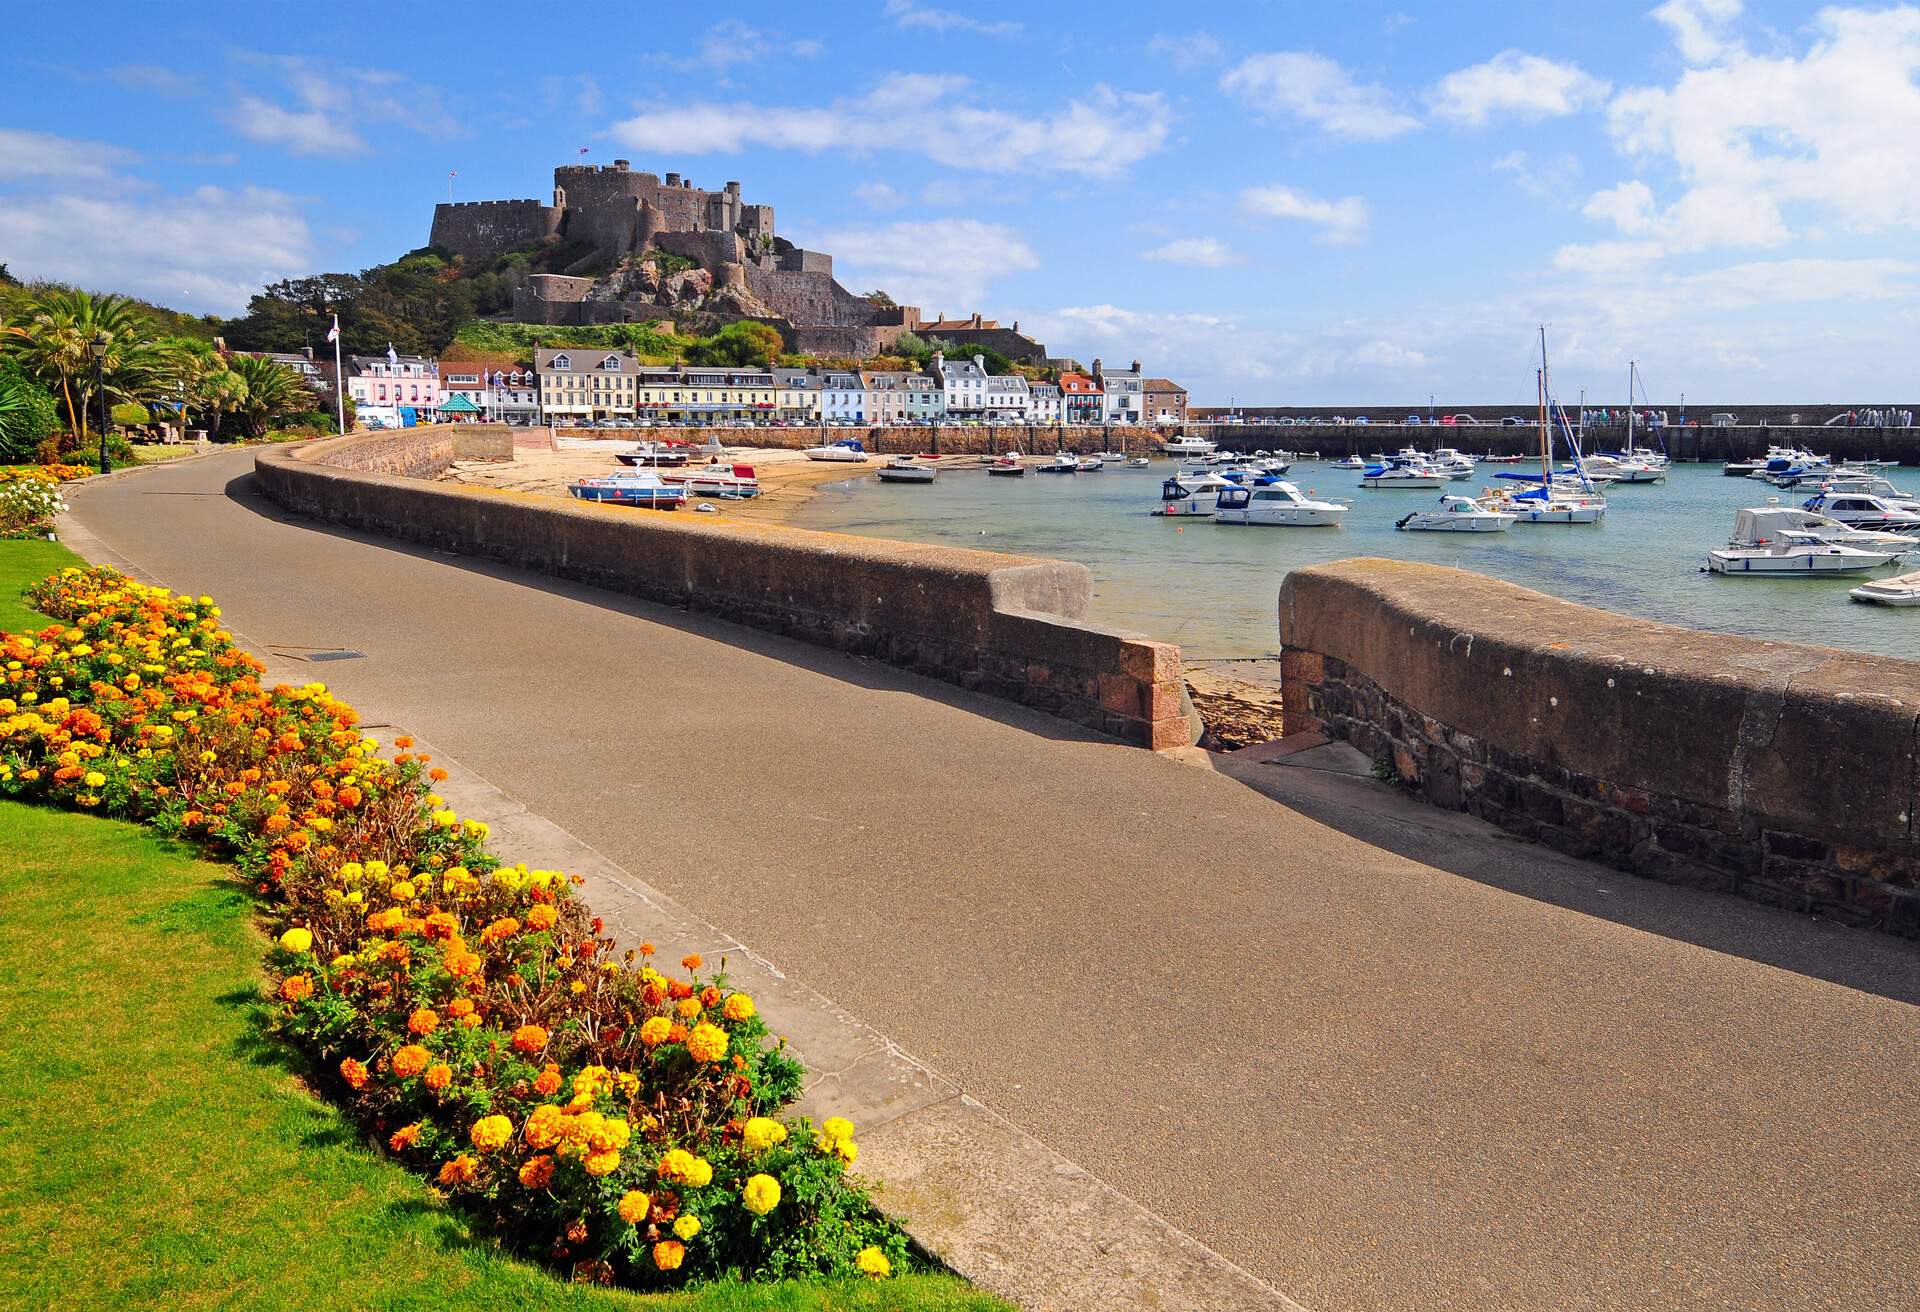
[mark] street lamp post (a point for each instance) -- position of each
(99, 348)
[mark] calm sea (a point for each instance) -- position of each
(1212, 588)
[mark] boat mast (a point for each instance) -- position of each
(1630, 367)
(1546, 437)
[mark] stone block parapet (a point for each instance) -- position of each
(940, 439)
(1012, 627)
(1784, 773)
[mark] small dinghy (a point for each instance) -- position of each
(1009, 465)
(1139, 462)
(905, 469)
(1900, 590)
(734, 482)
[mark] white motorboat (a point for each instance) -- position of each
(1092, 464)
(1278, 503)
(1861, 510)
(641, 487)
(905, 469)
(1138, 462)
(1113, 457)
(1457, 465)
(1457, 514)
(846, 451)
(1621, 469)
(733, 482)
(1766, 542)
(1832, 530)
(1063, 463)
(1399, 473)
(1010, 465)
(1551, 505)
(1863, 480)
(1190, 496)
(1900, 590)
(1350, 462)
(1187, 446)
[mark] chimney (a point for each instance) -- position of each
(673, 179)
(1096, 366)
(980, 363)
(1136, 366)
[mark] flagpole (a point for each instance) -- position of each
(339, 378)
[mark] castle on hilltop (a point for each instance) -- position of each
(608, 217)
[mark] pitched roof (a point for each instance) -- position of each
(459, 404)
(1163, 385)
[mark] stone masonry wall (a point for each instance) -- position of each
(1007, 626)
(942, 439)
(1780, 773)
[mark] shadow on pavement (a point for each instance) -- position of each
(858, 671)
(1338, 791)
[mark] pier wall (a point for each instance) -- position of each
(1786, 774)
(1716, 445)
(1009, 626)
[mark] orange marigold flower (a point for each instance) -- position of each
(678, 1034)
(277, 824)
(403, 742)
(504, 928)
(634, 1207)
(437, 774)
(296, 988)
(654, 1030)
(490, 1133)
(691, 961)
(605, 1162)
(538, 1172)
(461, 963)
(349, 796)
(544, 1126)
(424, 1021)
(707, 1043)
(688, 1008)
(441, 925)
(577, 1232)
(405, 1137)
(529, 1038)
(547, 1082)
(460, 1007)
(710, 995)
(438, 1076)
(679, 988)
(541, 918)
(646, 949)
(353, 1073)
(410, 1060)
(668, 1254)
(464, 1169)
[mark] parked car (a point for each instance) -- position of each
(1413, 419)
(1512, 421)
(1361, 419)
(1460, 419)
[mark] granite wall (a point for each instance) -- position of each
(1783, 773)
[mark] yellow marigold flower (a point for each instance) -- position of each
(674, 1164)
(837, 1128)
(688, 1008)
(687, 1226)
(708, 1043)
(700, 1173)
(401, 891)
(848, 1150)
(599, 1164)
(874, 1262)
(95, 779)
(297, 939)
(761, 1195)
(654, 1031)
(544, 1125)
(445, 819)
(490, 1133)
(761, 1133)
(737, 1007)
(668, 1254)
(635, 1207)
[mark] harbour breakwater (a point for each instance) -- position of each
(1786, 774)
(905, 439)
(1738, 442)
(1012, 627)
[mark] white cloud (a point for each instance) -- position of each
(1548, 176)
(1699, 26)
(1195, 50)
(880, 195)
(25, 154)
(206, 250)
(1314, 88)
(304, 132)
(1340, 221)
(911, 14)
(731, 42)
(935, 264)
(1514, 83)
(1197, 252)
(1769, 147)
(1101, 135)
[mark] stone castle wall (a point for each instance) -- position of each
(479, 230)
(1783, 773)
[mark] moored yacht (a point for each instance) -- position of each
(1271, 501)
(1861, 510)
(1766, 541)
(1457, 514)
(1187, 446)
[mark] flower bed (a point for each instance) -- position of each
(44, 473)
(27, 507)
(599, 1112)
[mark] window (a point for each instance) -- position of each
(561, 362)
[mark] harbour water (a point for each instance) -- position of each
(1212, 587)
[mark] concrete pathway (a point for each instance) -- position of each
(1464, 1081)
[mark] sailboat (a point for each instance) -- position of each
(1553, 501)
(1633, 464)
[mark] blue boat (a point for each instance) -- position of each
(640, 488)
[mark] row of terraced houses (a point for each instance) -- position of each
(573, 386)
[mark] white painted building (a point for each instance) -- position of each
(1044, 404)
(963, 386)
(843, 397)
(798, 396)
(1125, 394)
(1007, 399)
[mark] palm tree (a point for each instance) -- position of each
(214, 389)
(57, 328)
(271, 391)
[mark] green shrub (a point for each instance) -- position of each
(131, 414)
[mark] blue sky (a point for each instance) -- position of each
(1272, 202)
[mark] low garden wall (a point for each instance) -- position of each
(1784, 773)
(1010, 626)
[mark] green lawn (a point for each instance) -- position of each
(25, 561)
(156, 1152)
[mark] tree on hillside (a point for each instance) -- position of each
(745, 342)
(879, 297)
(295, 313)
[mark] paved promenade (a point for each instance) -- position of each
(1375, 1082)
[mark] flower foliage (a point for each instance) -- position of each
(27, 506)
(619, 1120)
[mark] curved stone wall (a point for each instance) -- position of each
(1785, 773)
(1009, 626)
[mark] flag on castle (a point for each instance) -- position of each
(583, 150)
